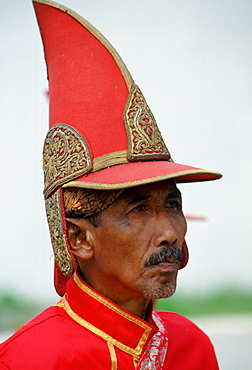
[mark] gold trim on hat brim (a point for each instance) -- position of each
(184, 176)
(124, 70)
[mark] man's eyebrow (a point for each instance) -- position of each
(174, 194)
(139, 198)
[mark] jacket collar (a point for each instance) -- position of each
(106, 319)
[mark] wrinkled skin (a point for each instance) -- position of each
(112, 257)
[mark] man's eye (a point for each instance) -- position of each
(140, 208)
(174, 204)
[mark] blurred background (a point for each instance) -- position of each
(193, 63)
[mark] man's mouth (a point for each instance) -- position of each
(170, 260)
(168, 254)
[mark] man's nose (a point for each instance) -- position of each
(165, 232)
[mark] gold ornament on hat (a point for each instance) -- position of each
(87, 202)
(144, 138)
(54, 218)
(65, 156)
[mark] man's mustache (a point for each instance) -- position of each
(169, 252)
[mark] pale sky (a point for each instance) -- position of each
(193, 63)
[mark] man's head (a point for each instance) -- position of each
(134, 251)
(102, 136)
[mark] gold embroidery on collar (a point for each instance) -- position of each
(137, 353)
(109, 304)
(113, 356)
(59, 304)
(144, 138)
(95, 330)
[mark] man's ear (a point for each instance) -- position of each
(80, 237)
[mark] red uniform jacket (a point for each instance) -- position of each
(87, 331)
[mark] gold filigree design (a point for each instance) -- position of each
(155, 352)
(144, 138)
(65, 156)
(87, 202)
(54, 219)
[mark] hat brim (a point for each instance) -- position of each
(140, 173)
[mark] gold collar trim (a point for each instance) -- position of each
(135, 352)
(109, 304)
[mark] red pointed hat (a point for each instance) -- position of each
(102, 134)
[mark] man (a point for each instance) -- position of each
(115, 218)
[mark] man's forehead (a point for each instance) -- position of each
(165, 187)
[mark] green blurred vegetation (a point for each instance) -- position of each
(16, 310)
(226, 300)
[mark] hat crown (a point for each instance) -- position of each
(98, 116)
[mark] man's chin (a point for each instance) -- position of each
(159, 292)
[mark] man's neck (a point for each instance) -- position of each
(136, 305)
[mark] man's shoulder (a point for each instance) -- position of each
(37, 324)
(189, 346)
(29, 337)
(180, 325)
(173, 318)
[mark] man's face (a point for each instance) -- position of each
(142, 222)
